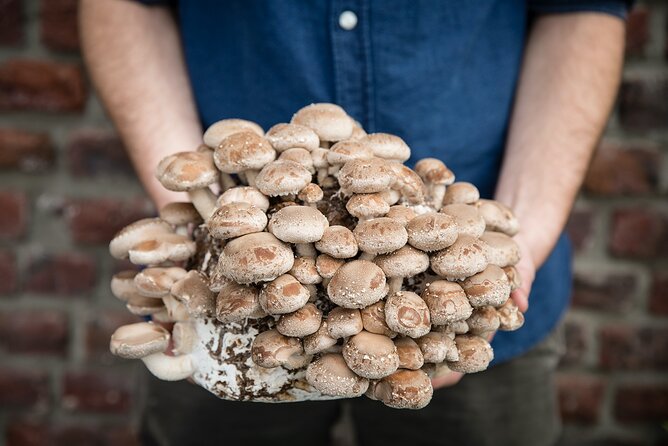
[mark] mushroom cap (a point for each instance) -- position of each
(380, 235)
(319, 341)
(501, 250)
(123, 284)
(407, 314)
(484, 320)
(365, 176)
(373, 319)
(467, 218)
(319, 158)
(371, 355)
(327, 265)
(391, 196)
(510, 316)
(489, 287)
(338, 242)
(283, 295)
(498, 217)
(180, 213)
(513, 277)
(157, 281)
(344, 322)
(329, 121)
(220, 130)
(330, 375)
(297, 361)
(405, 389)
(434, 171)
(286, 136)
(344, 151)
(447, 302)
(409, 183)
(432, 231)
(436, 347)
(298, 224)
(271, 349)
(244, 194)
(357, 284)
(162, 248)
(282, 177)
(311, 193)
(138, 340)
(301, 156)
(402, 214)
(410, 355)
(192, 290)
(404, 262)
(174, 309)
(243, 151)
(236, 302)
(358, 131)
(137, 232)
(367, 206)
(300, 323)
(305, 271)
(258, 257)
(475, 354)
(461, 192)
(236, 219)
(144, 306)
(386, 146)
(463, 258)
(184, 171)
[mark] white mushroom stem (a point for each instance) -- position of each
(437, 193)
(322, 175)
(226, 182)
(306, 250)
(169, 368)
(183, 336)
(395, 284)
(367, 256)
(250, 177)
(204, 201)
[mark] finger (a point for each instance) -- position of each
(449, 379)
(521, 299)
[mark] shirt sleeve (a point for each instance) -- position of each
(618, 8)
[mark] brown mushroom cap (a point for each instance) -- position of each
(184, 171)
(192, 290)
(364, 206)
(402, 214)
(380, 235)
(513, 277)
(366, 176)
(144, 306)
(135, 233)
(447, 302)
(297, 361)
(180, 213)
(510, 316)
(410, 355)
(386, 146)
(319, 341)
(282, 177)
(405, 389)
(220, 130)
(344, 151)
(404, 262)
(243, 151)
(432, 231)
(138, 340)
(305, 271)
(123, 284)
(461, 192)
(371, 355)
(500, 249)
(237, 302)
(437, 347)
(162, 248)
(498, 217)
(373, 319)
(244, 194)
(433, 171)
(298, 224)
(300, 323)
(408, 183)
(286, 136)
(338, 242)
(489, 287)
(258, 257)
(311, 193)
(327, 266)
(357, 284)
(344, 322)
(236, 219)
(463, 258)
(329, 121)
(467, 218)
(301, 156)
(157, 282)
(484, 320)
(330, 375)
(283, 295)
(272, 349)
(475, 354)
(407, 314)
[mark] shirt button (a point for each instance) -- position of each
(348, 20)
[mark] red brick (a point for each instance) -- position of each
(64, 274)
(642, 101)
(637, 31)
(641, 403)
(34, 331)
(633, 348)
(639, 233)
(58, 25)
(99, 330)
(23, 388)
(97, 391)
(39, 432)
(25, 151)
(14, 215)
(8, 272)
(623, 171)
(576, 344)
(27, 433)
(97, 220)
(658, 298)
(611, 292)
(11, 22)
(580, 228)
(41, 86)
(580, 398)
(97, 152)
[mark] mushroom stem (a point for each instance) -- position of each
(226, 182)
(395, 284)
(437, 193)
(322, 175)
(204, 201)
(306, 250)
(250, 177)
(183, 336)
(169, 368)
(367, 256)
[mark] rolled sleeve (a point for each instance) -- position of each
(618, 8)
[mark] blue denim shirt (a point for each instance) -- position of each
(440, 74)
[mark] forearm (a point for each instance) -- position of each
(135, 60)
(567, 86)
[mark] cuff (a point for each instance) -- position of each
(618, 8)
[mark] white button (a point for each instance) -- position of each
(348, 20)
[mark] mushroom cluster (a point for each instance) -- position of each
(312, 263)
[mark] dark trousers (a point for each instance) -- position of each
(510, 404)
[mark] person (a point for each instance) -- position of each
(513, 96)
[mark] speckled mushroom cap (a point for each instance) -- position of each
(139, 340)
(483, 321)
(144, 306)
(300, 323)
(283, 295)
(380, 235)
(135, 233)
(162, 248)
(501, 250)
(243, 151)
(408, 183)
(402, 214)
(330, 122)
(463, 258)
(510, 316)
(305, 271)
(386, 146)
(236, 302)
(236, 219)
(461, 192)
(180, 213)
(405, 389)
(357, 284)
(475, 354)
(467, 218)
(498, 217)
(366, 176)
(220, 130)
(348, 150)
(244, 194)
(327, 265)
(410, 355)
(404, 262)
(331, 375)
(365, 206)
(123, 284)
(286, 136)
(432, 231)
(192, 290)
(185, 171)
(447, 302)
(371, 355)
(338, 242)
(344, 322)
(157, 281)
(513, 277)
(434, 171)
(407, 314)
(373, 319)
(311, 193)
(436, 347)
(271, 349)
(489, 287)
(282, 177)
(299, 155)
(319, 341)
(258, 257)
(298, 224)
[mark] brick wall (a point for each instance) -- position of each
(66, 187)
